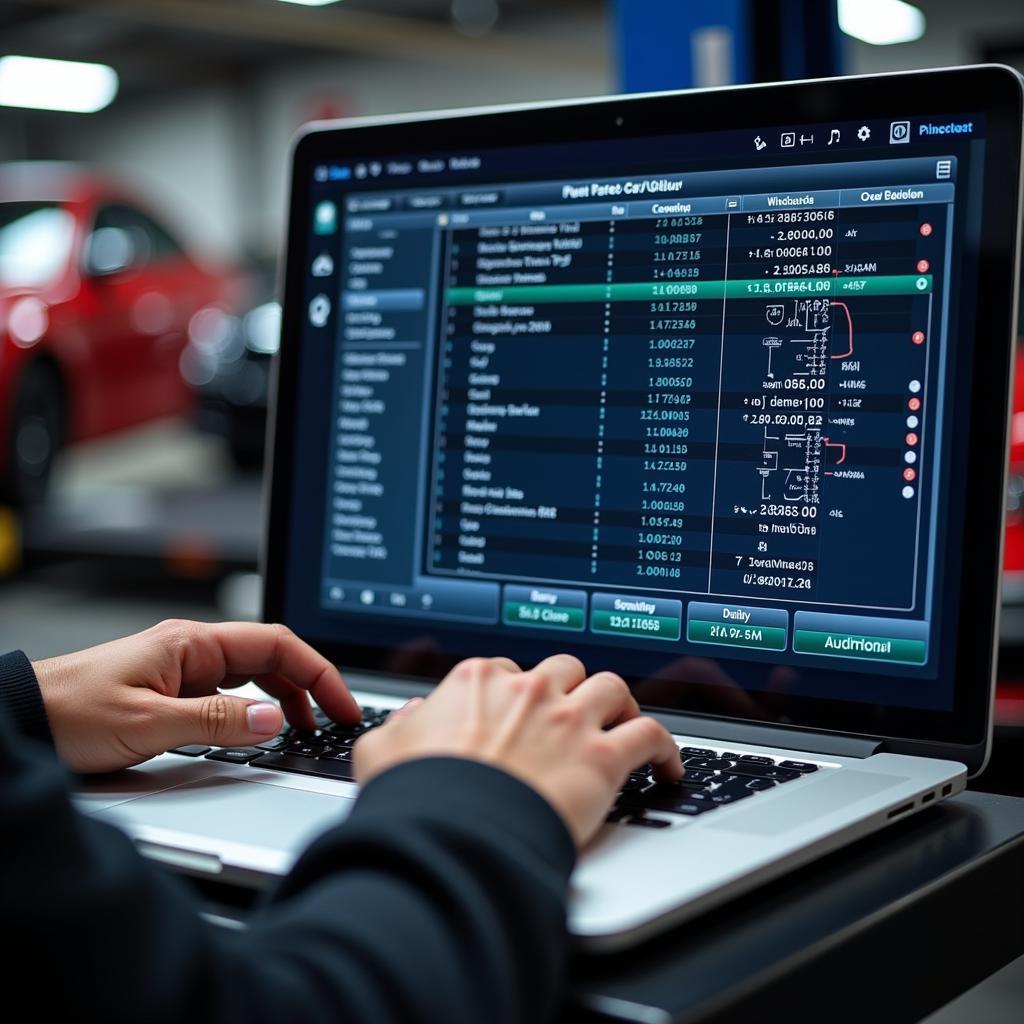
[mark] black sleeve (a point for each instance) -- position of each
(20, 698)
(440, 899)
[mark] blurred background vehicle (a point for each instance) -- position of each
(230, 372)
(96, 299)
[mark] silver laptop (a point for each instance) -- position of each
(709, 389)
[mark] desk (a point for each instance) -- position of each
(890, 929)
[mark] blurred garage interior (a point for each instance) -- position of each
(150, 507)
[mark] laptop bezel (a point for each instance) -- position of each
(962, 734)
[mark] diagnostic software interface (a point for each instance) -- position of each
(697, 408)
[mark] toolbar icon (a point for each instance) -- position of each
(325, 218)
(787, 140)
(943, 169)
(319, 310)
(834, 136)
(863, 133)
(759, 143)
(899, 131)
(323, 265)
(806, 140)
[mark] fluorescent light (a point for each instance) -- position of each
(881, 22)
(310, 3)
(56, 84)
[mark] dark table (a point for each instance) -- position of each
(889, 929)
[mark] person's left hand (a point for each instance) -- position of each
(122, 703)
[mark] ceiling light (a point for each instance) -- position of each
(310, 3)
(881, 22)
(56, 84)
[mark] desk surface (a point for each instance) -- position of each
(892, 927)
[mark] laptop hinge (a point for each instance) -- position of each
(750, 733)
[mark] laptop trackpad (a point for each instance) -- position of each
(838, 790)
(242, 812)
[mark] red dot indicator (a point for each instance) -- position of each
(917, 337)
(922, 266)
(914, 404)
(912, 439)
(909, 474)
(925, 229)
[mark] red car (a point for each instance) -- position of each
(96, 303)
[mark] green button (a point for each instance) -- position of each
(518, 613)
(854, 645)
(768, 638)
(654, 627)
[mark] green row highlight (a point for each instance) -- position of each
(783, 287)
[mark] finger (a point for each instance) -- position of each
(506, 663)
(562, 670)
(255, 649)
(218, 720)
(643, 739)
(409, 705)
(294, 701)
(607, 698)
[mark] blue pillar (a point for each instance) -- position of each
(678, 44)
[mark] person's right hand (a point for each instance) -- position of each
(573, 739)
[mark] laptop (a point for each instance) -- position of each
(707, 388)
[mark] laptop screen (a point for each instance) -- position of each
(692, 406)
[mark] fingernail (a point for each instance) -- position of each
(263, 718)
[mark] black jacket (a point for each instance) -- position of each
(441, 898)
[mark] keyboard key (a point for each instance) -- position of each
(635, 782)
(303, 749)
(648, 822)
(755, 759)
(692, 808)
(280, 762)
(697, 752)
(711, 764)
(275, 744)
(730, 794)
(336, 755)
(765, 771)
(346, 731)
(799, 766)
(191, 750)
(761, 784)
(235, 755)
(697, 777)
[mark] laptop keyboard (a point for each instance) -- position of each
(714, 778)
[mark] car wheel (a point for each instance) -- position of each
(37, 433)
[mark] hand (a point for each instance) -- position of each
(573, 739)
(121, 703)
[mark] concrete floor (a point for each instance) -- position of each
(70, 606)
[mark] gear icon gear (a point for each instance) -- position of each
(863, 133)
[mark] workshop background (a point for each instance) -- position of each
(169, 123)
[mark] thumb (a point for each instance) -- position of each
(221, 721)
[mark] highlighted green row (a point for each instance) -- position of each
(783, 287)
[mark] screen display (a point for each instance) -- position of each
(689, 404)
